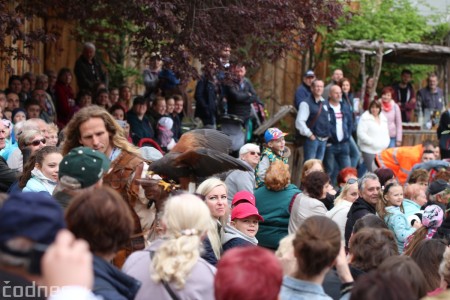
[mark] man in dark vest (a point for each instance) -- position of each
(313, 122)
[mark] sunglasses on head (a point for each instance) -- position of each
(37, 142)
(352, 181)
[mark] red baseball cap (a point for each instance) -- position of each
(245, 210)
(245, 196)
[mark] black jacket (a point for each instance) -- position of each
(239, 98)
(111, 283)
(7, 176)
(359, 209)
(88, 74)
(206, 101)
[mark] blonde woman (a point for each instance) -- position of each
(343, 203)
(171, 268)
(214, 193)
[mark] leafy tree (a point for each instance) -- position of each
(187, 29)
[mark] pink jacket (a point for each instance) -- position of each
(394, 118)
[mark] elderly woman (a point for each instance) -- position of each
(273, 202)
(103, 219)
(307, 204)
(373, 134)
(171, 268)
(214, 193)
(29, 142)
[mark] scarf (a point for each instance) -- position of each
(387, 106)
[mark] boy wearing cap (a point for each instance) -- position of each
(80, 169)
(275, 150)
(243, 227)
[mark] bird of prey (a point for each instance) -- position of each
(198, 153)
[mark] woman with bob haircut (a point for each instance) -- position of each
(307, 204)
(259, 267)
(214, 193)
(373, 134)
(103, 219)
(273, 200)
(317, 247)
(171, 267)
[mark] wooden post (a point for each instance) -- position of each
(377, 69)
(363, 77)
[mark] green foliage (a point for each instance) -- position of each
(387, 20)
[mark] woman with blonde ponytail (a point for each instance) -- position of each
(171, 267)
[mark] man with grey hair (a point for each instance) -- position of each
(238, 180)
(369, 188)
(88, 70)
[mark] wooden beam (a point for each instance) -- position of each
(284, 110)
(374, 45)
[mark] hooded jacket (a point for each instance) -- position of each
(111, 283)
(39, 183)
(359, 209)
(234, 238)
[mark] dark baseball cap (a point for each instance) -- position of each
(84, 164)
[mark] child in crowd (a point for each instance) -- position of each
(52, 135)
(390, 209)
(18, 115)
(170, 105)
(165, 134)
(275, 150)
(243, 227)
(41, 171)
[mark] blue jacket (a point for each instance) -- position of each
(111, 283)
(347, 123)
(296, 289)
(303, 92)
(398, 224)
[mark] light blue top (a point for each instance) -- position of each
(410, 207)
(296, 289)
(398, 224)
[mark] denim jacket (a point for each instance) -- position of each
(296, 289)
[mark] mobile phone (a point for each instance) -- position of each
(122, 124)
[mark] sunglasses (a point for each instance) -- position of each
(37, 142)
(255, 153)
(352, 181)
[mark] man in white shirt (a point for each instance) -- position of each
(337, 154)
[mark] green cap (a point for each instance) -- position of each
(85, 165)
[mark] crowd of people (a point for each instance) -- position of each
(84, 214)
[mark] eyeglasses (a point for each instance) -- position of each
(255, 153)
(352, 181)
(38, 142)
